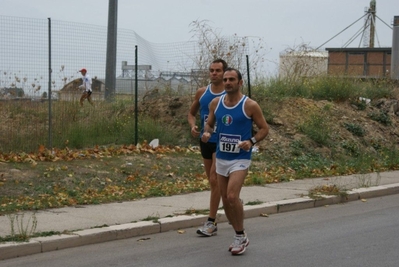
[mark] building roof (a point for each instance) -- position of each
(360, 49)
(305, 54)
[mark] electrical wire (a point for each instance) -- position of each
(341, 31)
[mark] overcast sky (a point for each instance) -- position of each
(281, 23)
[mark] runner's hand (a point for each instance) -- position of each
(205, 137)
(194, 131)
(244, 145)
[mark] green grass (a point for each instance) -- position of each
(325, 88)
(253, 203)
(153, 219)
(316, 127)
(26, 126)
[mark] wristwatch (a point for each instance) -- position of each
(253, 140)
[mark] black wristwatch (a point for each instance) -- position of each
(253, 140)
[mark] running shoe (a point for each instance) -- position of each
(239, 245)
(209, 229)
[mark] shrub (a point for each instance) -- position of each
(381, 116)
(316, 128)
(355, 129)
(351, 147)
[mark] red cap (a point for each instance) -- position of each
(83, 70)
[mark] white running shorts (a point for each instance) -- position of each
(225, 167)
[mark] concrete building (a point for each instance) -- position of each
(303, 64)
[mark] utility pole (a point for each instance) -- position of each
(372, 12)
(395, 50)
(110, 68)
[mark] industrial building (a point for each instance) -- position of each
(359, 62)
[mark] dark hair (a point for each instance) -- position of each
(239, 76)
(224, 63)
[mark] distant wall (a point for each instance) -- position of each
(70, 91)
(359, 62)
(127, 86)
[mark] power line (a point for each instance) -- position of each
(357, 33)
(341, 31)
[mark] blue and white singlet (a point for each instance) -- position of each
(205, 101)
(234, 125)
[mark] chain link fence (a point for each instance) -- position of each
(31, 49)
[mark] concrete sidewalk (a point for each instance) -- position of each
(91, 224)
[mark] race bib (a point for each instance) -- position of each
(229, 143)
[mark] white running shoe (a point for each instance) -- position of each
(209, 229)
(239, 245)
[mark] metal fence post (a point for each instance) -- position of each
(249, 78)
(136, 117)
(50, 141)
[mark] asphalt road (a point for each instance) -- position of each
(353, 234)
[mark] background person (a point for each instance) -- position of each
(234, 114)
(86, 87)
(203, 97)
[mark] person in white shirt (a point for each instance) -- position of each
(86, 86)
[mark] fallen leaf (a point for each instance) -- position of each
(264, 215)
(143, 239)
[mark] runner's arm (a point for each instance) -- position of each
(210, 123)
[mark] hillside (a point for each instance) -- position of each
(322, 127)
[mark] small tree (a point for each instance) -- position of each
(234, 49)
(302, 61)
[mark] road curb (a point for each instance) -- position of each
(98, 235)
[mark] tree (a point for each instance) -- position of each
(234, 49)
